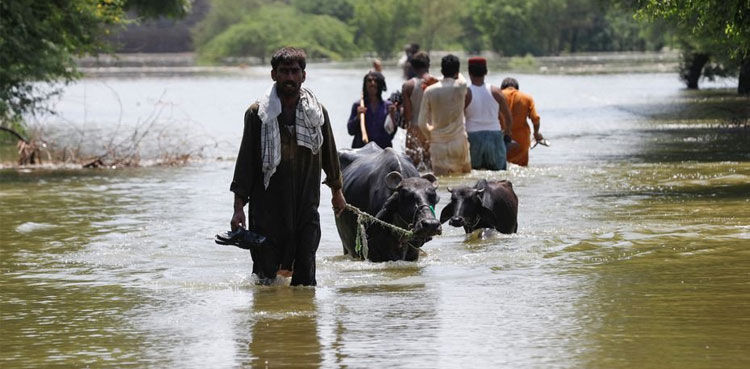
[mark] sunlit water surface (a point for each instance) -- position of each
(633, 248)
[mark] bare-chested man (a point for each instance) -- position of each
(417, 146)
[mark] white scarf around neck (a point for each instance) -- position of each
(308, 122)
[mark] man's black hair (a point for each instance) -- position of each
(287, 55)
(449, 65)
(379, 79)
(478, 70)
(420, 60)
(411, 49)
(509, 82)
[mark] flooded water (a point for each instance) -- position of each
(633, 248)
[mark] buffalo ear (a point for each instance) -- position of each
(431, 177)
(481, 184)
(447, 213)
(393, 180)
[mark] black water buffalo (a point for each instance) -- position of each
(385, 184)
(489, 204)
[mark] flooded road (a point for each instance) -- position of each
(633, 248)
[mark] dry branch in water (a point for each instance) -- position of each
(156, 140)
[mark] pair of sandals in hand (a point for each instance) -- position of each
(244, 239)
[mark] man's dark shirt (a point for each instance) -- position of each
(287, 211)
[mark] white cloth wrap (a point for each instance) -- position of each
(308, 122)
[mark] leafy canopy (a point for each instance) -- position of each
(271, 27)
(726, 22)
(39, 41)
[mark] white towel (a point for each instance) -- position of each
(309, 119)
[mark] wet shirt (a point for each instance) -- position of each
(287, 211)
(441, 119)
(521, 107)
(374, 122)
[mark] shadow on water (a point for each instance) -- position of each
(669, 267)
(705, 126)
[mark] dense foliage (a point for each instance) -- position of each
(714, 35)
(258, 35)
(509, 27)
(706, 30)
(39, 41)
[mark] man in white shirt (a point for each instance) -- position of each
(441, 119)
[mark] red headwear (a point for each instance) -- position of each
(477, 60)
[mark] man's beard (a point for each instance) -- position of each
(287, 89)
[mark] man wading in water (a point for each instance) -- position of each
(286, 142)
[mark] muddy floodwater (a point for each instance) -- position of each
(633, 247)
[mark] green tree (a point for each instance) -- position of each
(270, 27)
(342, 10)
(551, 27)
(725, 23)
(505, 23)
(39, 41)
(222, 15)
(439, 23)
(383, 25)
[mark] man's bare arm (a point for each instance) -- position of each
(338, 201)
(406, 90)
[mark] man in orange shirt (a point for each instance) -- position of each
(521, 106)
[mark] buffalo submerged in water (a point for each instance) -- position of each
(385, 184)
(489, 204)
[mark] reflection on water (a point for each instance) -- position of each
(282, 329)
(631, 251)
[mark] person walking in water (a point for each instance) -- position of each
(521, 106)
(441, 119)
(375, 111)
(417, 145)
(287, 140)
(486, 109)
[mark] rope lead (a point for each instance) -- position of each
(360, 245)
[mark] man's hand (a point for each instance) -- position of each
(238, 220)
(338, 201)
(361, 110)
(538, 136)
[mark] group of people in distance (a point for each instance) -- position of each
(452, 125)
(288, 141)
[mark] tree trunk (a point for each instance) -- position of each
(692, 69)
(743, 87)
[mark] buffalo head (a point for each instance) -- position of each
(466, 208)
(412, 203)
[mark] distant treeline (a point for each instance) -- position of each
(223, 30)
(713, 35)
